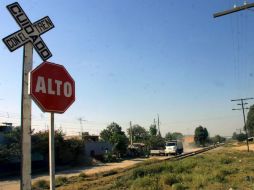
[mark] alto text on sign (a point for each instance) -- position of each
(53, 87)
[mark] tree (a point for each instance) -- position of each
(139, 134)
(153, 130)
(177, 135)
(234, 136)
(168, 137)
(156, 142)
(201, 135)
(239, 137)
(114, 135)
(173, 136)
(218, 138)
(250, 121)
(66, 151)
(11, 149)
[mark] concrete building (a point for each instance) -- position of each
(98, 148)
(94, 147)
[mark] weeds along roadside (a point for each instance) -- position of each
(216, 169)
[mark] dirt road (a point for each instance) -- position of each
(244, 147)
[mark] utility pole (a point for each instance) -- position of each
(131, 133)
(235, 9)
(159, 132)
(240, 130)
(243, 108)
(81, 125)
(154, 121)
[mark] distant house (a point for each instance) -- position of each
(94, 147)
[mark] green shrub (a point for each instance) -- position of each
(82, 175)
(170, 179)
(146, 183)
(178, 186)
(220, 176)
(122, 182)
(40, 185)
(109, 157)
(61, 181)
(199, 180)
(150, 170)
(138, 172)
(108, 173)
(226, 160)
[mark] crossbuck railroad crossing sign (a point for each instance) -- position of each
(29, 32)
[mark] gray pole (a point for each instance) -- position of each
(26, 120)
(52, 153)
(159, 132)
(131, 132)
(245, 127)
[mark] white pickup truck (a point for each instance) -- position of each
(173, 147)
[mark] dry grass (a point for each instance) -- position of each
(224, 168)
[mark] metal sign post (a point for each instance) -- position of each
(29, 37)
(52, 152)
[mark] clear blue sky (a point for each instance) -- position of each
(134, 59)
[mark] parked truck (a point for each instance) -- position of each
(171, 147)
(174, 147)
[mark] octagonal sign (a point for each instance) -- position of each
(52, 87)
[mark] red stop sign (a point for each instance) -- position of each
(52, 87)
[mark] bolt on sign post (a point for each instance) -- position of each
(29, 37)
(53, 90)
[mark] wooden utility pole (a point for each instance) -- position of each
(131, 133)
(81, 126)
(159, 132)
(235, 9)
(243, 108)
(25, 183)
(240, 130)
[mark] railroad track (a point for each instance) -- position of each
(193, 153)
